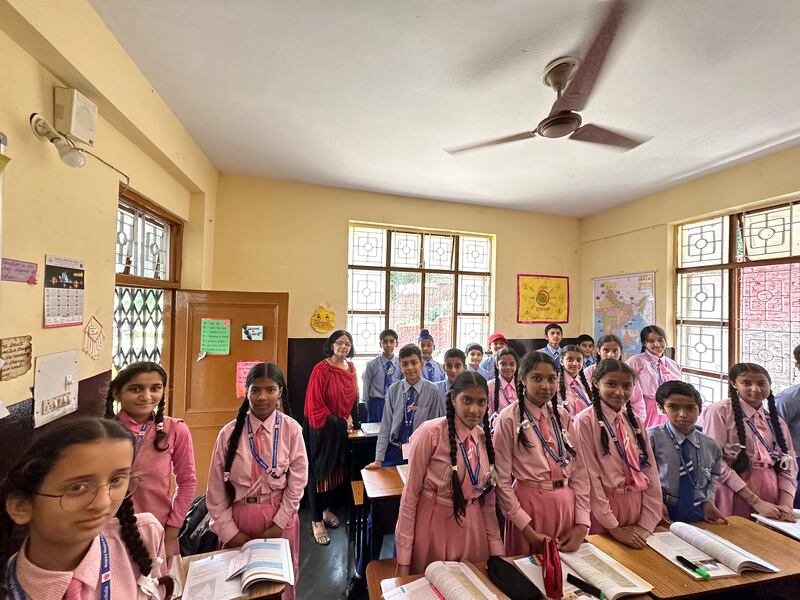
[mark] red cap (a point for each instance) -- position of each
(496, 337)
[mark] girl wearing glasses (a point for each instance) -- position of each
(163, 446)
(259, 469)
(70, 491)
(447, 511)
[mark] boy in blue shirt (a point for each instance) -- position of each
(586, 344)
(689, 462)
(381, 372)
(474, 354)
(788, 404)
(497, 341)
(553, 334)
(431, 370)
(454, 364)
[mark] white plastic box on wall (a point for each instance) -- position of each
(75, 115)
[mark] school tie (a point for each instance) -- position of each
(762, 454)
(429, 369)
(624, 435)
(408, 423)
(686, 510)
(472, 452)
(662, 369)
(556, 473)
(388, 370)
(74, 590)
(573, 385)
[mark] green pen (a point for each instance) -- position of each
(693, 567)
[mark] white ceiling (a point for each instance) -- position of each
(366, 94)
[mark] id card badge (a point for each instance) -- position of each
(404, 450)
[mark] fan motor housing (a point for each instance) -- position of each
(559, 125)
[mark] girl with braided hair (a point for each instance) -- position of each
(447, 511)
(653, 367)
(163, 446)
(259, 469)
(625, 496)
(542, 492)
(503, 387)
(574, 391)
(758, 467)
(69, 494)
(610, 346)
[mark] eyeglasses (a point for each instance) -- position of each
(343, 344)
(81, 494)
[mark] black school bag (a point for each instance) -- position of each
(195, 536)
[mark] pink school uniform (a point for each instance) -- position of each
(526, 479)
(651, 372)
(260, 498)
(426, 530)
(157, 469)
(52, 585)
(637, 398)
(578, 397)
(762, 478)
(507, 397)
(619, 495)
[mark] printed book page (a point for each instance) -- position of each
(263, 560)
(790, 529)
(531, 568)
(670, 546)
(598, 568)
(448, 580)
(207, 579)
(729, 554)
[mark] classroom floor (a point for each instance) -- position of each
(324, 570)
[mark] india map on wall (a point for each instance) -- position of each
(623, 305)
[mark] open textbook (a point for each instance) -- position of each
(790, 529)
(228, 575)
(715, 555)
(448, 580)
(593, 566)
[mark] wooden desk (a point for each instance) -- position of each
(382, 483)
(367, 430)
(258, 591)
(670, 581)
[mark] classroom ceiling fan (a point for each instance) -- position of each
(573, 80)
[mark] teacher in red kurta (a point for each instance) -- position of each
(331, 412)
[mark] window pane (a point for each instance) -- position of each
(703, 295)
(366, 290)
(126, 240)
(438, 252)
(770, 319)
(473, 294)
(703, 243)
(367, 247)
(143, 243)
(405, 305)
(472, 330)
(439, 296)
(711, 389)
(475, 254)
(405, 249)
(703, 347)
(138, 332)
(155, 249)
(769, 234)
(365, 330)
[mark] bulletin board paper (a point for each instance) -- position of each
(15, 356)
(253, 333)
(215, 336)
(55, 387)
(542, 298)
(242, 369)
(64, 280)
(20, 271)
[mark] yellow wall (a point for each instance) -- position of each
(49, 208)
(639, 235)
(280, 236)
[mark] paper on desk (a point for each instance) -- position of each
(206, 579)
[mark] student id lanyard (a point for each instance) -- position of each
(576, 389)
(620, 450)
(558, 459)
(261, 462)
(782, 460)
(680, 456)
(474, 476)
(145, 427)
(505, 394)
(659, 374)
(16, 592)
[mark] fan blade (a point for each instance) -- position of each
(580, 88)
(503, 140)
(600, 135)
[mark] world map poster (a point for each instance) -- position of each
(623, 305)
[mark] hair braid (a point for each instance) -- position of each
(459, 502)
(640, 441)
(777, 430)
(562, 386)
(584, 381)
(568, 446)
(598, 411)
(487, 432)
(741, 463)
(496, 387)
(132, 538)
(521, 437)
(109, 414)
(233, 445)
(160, 441)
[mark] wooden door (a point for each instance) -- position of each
(204, 391)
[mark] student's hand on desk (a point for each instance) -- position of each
(787, 514)
(570, 541)
(630, 536)
(237, 541)
(171, 547)
(767, 509)
(374, 465)
(273, 531)
(536, 540)
(349, 424)
(403, 571)
(712, 515)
